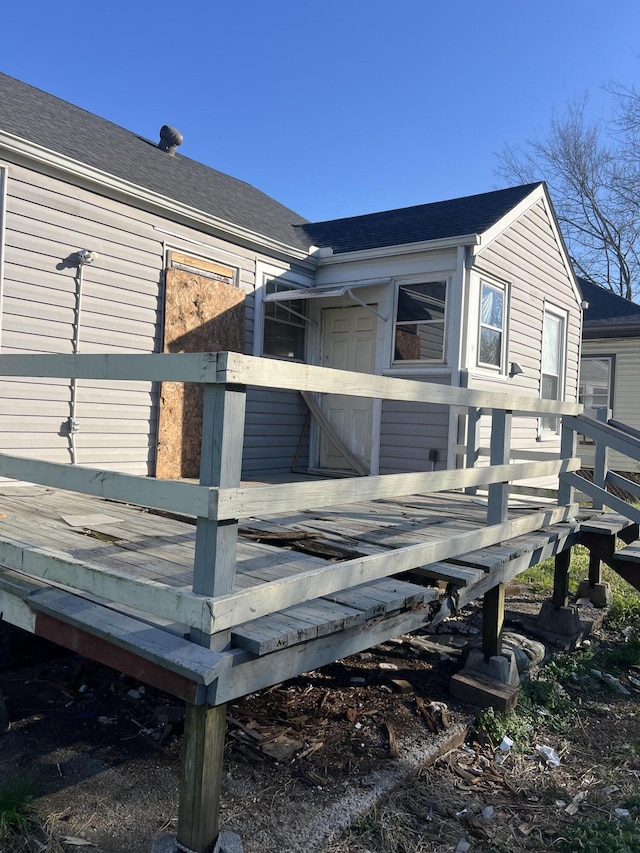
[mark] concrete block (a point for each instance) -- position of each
(559, 621)
(599, 594)
(501, 668)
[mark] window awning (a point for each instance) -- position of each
(322, 291)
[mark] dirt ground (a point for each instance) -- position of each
(304, 759)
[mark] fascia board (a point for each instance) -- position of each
(104, 180)
(509, 218)
(540, 193)
(401, 249)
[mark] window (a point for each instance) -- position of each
(492, 312)
(596, 386)
(551, 385)
(420, 322)
(284, 325)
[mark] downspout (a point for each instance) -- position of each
(85, 256)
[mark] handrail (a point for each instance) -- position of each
(621, 440)
(236, 369)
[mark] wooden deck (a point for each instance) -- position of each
(44, 527)
(221, 588)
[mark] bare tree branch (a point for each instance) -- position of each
(594, 180)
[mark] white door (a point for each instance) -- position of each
(348, 343)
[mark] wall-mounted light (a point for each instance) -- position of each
(86, 256)
(514, 369)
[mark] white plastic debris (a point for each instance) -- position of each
(488, 812)
(506, 744)
(461, 813)
(463, 846)
(610, 789)
(549, 754)
(622, 812)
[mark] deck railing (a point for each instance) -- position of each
(607, 434)
(219, 500)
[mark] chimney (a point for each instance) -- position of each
(170, 138)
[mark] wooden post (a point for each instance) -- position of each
(473, 432)
(202, 756)
(214, 569)
(595, 570)
(493, 621)
(497, 513)
(220, 465)
(568, 450)
(601, 461)
(560, 596)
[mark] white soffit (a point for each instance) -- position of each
(322, 291)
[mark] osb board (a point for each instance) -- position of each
(201, 315)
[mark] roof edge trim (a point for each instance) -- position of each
(44, 156)
(400, 249)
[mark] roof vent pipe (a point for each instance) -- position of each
(170, 138)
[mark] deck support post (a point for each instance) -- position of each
(202, 756)
(561, 579)
(493, 621)
(213, 575)
(490, 677)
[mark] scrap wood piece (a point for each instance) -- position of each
(329, 430)
(281, 748)
(426, 714)
(251, 733)
(401, 685)
(394, 749)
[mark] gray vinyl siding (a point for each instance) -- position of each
(47, 221)
(527, 256)
(409, 431)
(626, 399)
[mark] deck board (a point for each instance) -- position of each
(122, 538)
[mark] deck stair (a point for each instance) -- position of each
(600, 535)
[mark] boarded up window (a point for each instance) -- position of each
(204, 312)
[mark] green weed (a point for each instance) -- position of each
(16, 812)
(601, 835)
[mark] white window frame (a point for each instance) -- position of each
(421, 362)
(546, 431)
(501, 368)
(287, 280)
(589, 410)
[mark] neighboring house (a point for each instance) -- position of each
(610, 364)
(476, 291)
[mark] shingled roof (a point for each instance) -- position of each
(59, 126)
(441, 219)
(608, 315)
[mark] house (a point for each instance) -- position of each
(111, 243)
(610, 365)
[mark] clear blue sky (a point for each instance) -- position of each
(334, 108)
